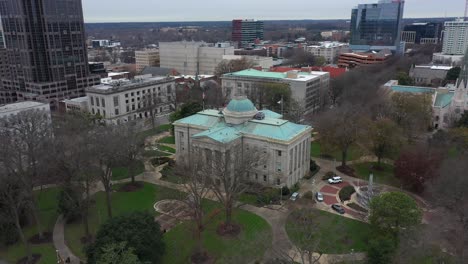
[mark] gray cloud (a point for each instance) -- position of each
(210, 10)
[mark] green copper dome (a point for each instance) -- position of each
(241, 105)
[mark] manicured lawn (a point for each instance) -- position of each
(155, 153)
(337, 234)
(122, 202)
(385, 176)
(249, 246)
(167, 140)
(119, 173)
(47, 201)
(316, 151)
(155, 131)
(166, 148)
(169, 175)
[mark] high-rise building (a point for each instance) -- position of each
(455, 37)
(190, 57)
(246, 31)
(422, 33)
(46, 49)
(377, 26)
(146, 58)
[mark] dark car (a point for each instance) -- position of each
(338, 208)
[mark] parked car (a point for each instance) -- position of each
(294, 196)
(319, 196)
(338, 208)
(336, 179)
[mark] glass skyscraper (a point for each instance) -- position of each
(377, 26)
(46, 50)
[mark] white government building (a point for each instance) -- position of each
(287, 145)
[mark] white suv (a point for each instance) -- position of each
(336, 179)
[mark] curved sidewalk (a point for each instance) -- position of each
(59, 242)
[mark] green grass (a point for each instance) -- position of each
(166, 148)
(122, 202)
(155, 131)
(248, 198)
(167, 140)
(337, 234)
(47, 203)
(250, 245)
(155, 153)
(169, 175)
(386, 176)
(316, 151)
(119, 173)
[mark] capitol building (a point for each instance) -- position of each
(286, 144)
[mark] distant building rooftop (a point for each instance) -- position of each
(20, 106)
(412, 89)
(301, 76)
(123, 85)
(443, 100)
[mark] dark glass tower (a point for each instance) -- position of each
(377, 26)
(46, 50)
(246, 31)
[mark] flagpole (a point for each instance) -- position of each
(282, 108)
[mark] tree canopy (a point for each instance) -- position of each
(394, 211)
(138, 230)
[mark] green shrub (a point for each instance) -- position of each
(346, 192)
(381, 249)
(328, 175)
(285, 190)
(8, 233)
(308, 195)
(69, 203)
(268, 196)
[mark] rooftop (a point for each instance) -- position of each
(435, 67)
(20, 106)
(270, 128)
(412, 89)
(252, 73)
(443, 99)
(123, 85)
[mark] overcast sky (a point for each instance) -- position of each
(208, 10)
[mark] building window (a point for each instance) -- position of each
(116, 101)
(116, 111)
(92, 100)
(264, 178)
(279, 153)
(256, 176)
(103, 102)
(97, 102)
(278, 182)
(126, 95)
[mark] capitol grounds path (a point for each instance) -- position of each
(276, 216)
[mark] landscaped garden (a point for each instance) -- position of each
(335, 234)
(248, 246)
(47, 204)
(169, 174)
(119, 173)
(167, 140)
(317, 151)
(122, 202)
(383, 175)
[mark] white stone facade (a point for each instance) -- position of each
(124, 101)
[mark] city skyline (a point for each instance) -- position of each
(204, 10)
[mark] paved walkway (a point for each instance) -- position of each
(60, 244)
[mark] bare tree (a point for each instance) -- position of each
(197, 187)
(295, 111)
(227, 66)
(448, 191)
(340, 128)
(228, 170)
(74, 159)
(26, 153)
(151, 103)
(14, 198)
(108, 154)
(132, 147)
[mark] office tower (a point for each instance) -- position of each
(377, 26)
(46, 50)
(191, 58)
(146, 58)
(422, 33)
(246, 31)
(455, 37)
